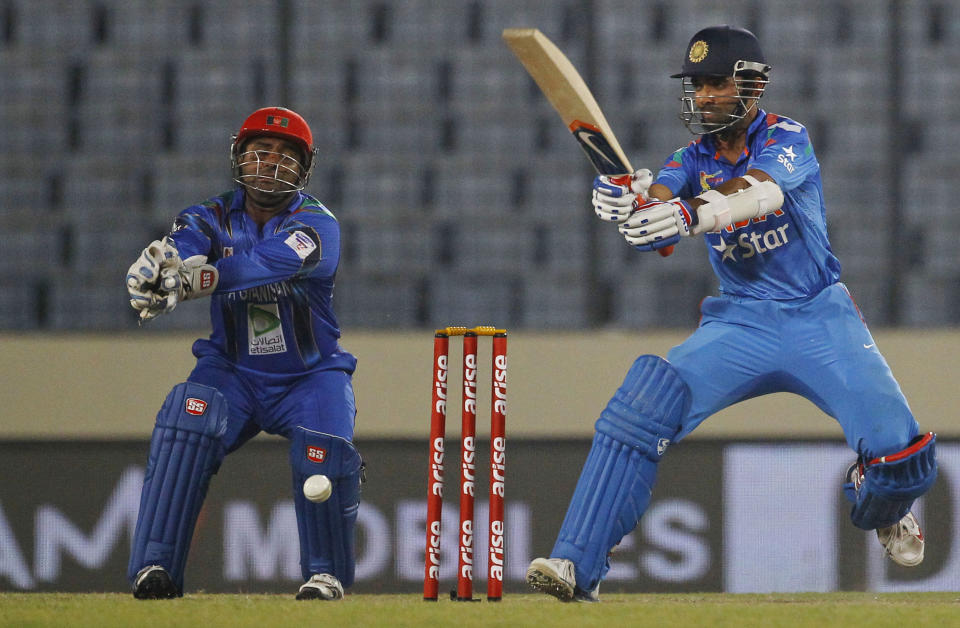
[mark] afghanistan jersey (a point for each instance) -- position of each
(785, 254)
(272, 310)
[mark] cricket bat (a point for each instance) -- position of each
(568, 93)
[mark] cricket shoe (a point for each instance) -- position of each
(553, 576)
(154, 583)
(321, 586)
(903, 541)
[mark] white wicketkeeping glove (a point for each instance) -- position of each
(616, 196)
(190, 279)
(143, 276)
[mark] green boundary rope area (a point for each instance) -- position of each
(714, 610)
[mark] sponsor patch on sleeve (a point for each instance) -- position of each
(301, 244)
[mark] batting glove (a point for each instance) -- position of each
(615, 197)
(658, 224)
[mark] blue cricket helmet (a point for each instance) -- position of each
(723, 51)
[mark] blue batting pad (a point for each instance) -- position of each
(326, 529)
(614, 488)
(185, 451)
(891, 483)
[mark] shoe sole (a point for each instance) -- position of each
(548, 583)
(313, 593)
(906, 563)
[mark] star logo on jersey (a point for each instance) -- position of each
(786, 158)
(725, 248)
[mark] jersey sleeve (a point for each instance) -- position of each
(308, 245)
(194, 229)
(677, 171)
(787, 155)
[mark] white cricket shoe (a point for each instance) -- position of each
(321, 586)
(553, 576)
(903, 541)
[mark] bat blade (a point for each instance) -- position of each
(566, 90)
(571, 98)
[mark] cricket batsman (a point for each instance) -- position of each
(266, 255)
(749, 185)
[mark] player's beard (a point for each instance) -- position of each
(734, 130)
(268, 200)
(719, 114)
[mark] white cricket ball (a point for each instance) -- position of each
(317, 488)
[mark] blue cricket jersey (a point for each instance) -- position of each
(785, 254)
(272, 310)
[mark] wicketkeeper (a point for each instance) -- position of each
(750, 185)
(266, 254)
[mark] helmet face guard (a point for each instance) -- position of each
(722, 51)
(750, 89)
(269, 171)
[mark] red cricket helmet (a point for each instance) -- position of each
(277, 122)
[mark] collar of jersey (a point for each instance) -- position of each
(236, 203)
(706, 144)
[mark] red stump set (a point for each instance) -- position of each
(468, 433)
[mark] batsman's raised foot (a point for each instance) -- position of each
(321, 587)
(154, 583)
(903, 541)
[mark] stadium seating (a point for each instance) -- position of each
(462, 197)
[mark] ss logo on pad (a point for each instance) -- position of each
(316, 454)
(195, 406)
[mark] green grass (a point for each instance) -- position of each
(661, 610)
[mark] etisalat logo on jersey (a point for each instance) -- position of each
(264, 329)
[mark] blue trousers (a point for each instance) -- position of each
(321, 401)
(818, 348)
